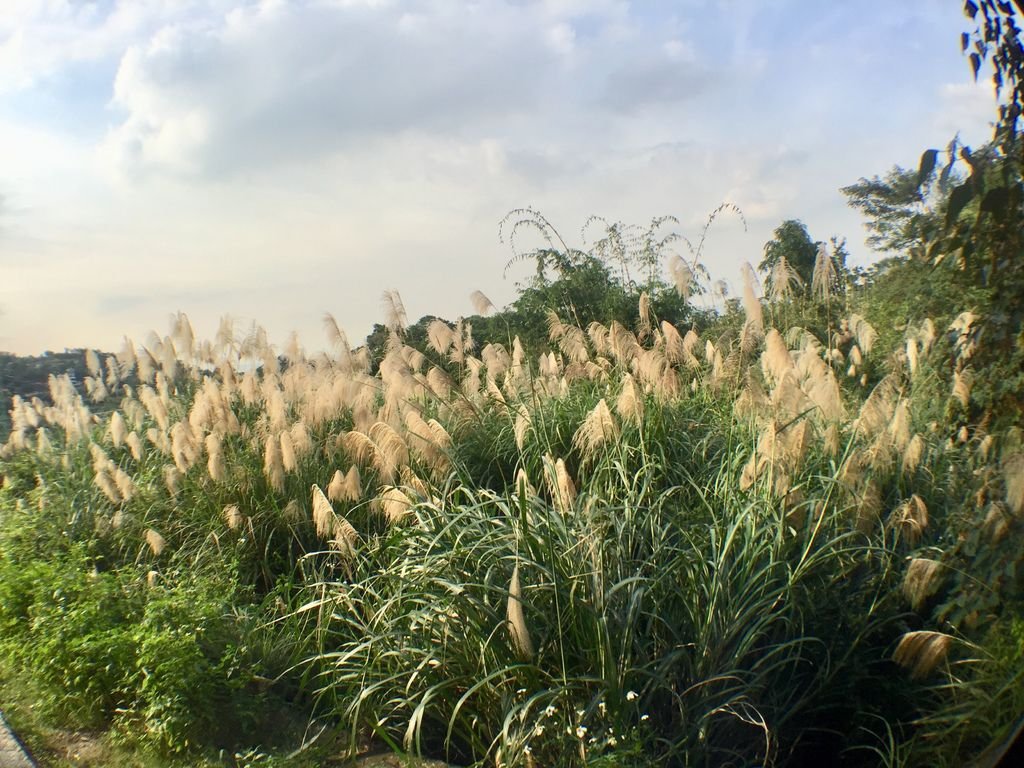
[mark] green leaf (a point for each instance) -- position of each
(958, 199)
(975, 64)
(970, 9)
(928, 160)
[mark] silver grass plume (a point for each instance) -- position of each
(823, 277)
(597, 429)
(922, 651)
(922, 580)
(521, 640)
(481, 304)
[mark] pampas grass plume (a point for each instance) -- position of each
(323, 513)
(521, 640)
(921, 581)
(156, 542)
(922, 651)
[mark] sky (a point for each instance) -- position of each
(274, 160)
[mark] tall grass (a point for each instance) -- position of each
(634, 547)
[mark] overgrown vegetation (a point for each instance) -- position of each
(600, 527)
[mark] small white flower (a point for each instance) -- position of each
(581, 731)
(632, 696)
(538, 730)
(550, 711)
(602, 708)
(644, 717)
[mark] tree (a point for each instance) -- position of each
(791, 242)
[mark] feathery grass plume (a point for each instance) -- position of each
(344, 538)
(117, 429)
(183, 448)
(155, 407)
(126, 357)
(43, 445)
(496, 358)
(912, 355)
(824, 276)
(555, 326)
(92, 362)
(1013, 477)
(277, 411)
(301, 441)
(864, 332)
(599, 338)
(440, 383)
(996, 524)
(912, 454)
(597, 429)
(752, 398)
(394, 505)
(573, 344)
(560, 485)
(124, 483)
(922, 580)
(336, 488)
(394, 311)
(134, 443)
(910, 519)
(392, 452)
(481, 304)
(630, 402)
(788, 399)
(922, 651)
(471, 382)
(622, 344)
(156, 542)
(293, 351)
(644, 316)
(215, 457)
(172, 479)
(783, 281)
(899, 425)
(323, 513)
(682, 276)
(830, 440)
(869, 505)
(113, 372)
(288, 460)
(273, 466)
(963, 382)
(521, 641)
(877, 411)
(776, 360)
(183, 335)
(753, 326)
(522, 424)
(823, 390)
(675, 352)
(523, 485)
(106, 483)
(233, 517)
(359, 448)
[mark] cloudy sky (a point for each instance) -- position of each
(276, 159)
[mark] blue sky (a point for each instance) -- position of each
(274, 160)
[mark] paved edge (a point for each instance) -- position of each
(12, 753)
